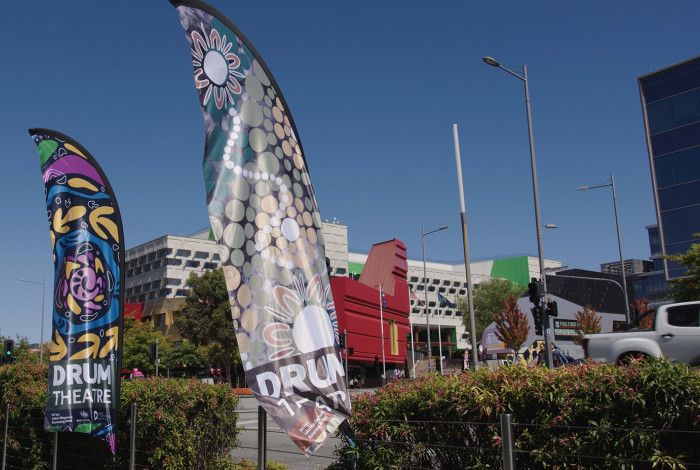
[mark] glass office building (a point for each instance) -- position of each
(671, 108)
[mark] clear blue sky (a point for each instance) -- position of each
(374, 88)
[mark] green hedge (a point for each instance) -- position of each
(181, 424)
(588, 416)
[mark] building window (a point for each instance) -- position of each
(192, 264)
(181, 293)
(183, 253)
(210, 265)
(173, 262)
(172, 282)
(340, 271)
(201, 255)
(159, 320)
(151, 256)
(431, 288)
(164, 292)
(394, 338)
(216, 257)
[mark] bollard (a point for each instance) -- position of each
(507, 441)
(262, 438)
(4, 438)
(132, 439)
(55, 450)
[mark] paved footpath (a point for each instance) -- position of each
(280, 447)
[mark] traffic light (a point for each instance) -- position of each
(552, 308)
(9, 357)
(341, 340)
(153, 351)
(534, 290)
(537, 317)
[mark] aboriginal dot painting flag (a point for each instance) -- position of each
(264, 216)
(88, 254)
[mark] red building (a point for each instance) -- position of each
(357, 305)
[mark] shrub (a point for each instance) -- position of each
(181, 424)
(588, 416)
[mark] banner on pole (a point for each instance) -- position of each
(264, 216)
(88, 252)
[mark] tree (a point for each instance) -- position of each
(645, 313)
(687, 288)
(185, 355)
(488, 302)
(588, 323)
(206, 320)
(138, 336)
(511, 325)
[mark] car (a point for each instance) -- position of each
(675, 336)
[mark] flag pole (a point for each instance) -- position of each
(381, 321)
(465, 239)
(439, 339)
(413, 353)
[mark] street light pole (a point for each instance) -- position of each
(43, 295)
(611, 185)
(465, 245)
(425, 292)
(535, 192)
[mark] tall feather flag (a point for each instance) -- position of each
(264, 216)
(87, 240)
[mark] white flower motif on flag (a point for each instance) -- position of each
(215, 67)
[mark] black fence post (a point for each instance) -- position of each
(507, 441)
(4, 438)
(55, 450)
(262, 438)
(132, 439)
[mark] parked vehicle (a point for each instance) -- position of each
(676, 336)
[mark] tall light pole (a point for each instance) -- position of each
(611, 184)
(425, 290)
(43, 291)
(465, 245)
(535, 192)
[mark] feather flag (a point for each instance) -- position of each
(264, 216)
(88, 253)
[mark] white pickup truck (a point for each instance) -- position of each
(676, 336)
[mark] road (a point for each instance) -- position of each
(280, 447)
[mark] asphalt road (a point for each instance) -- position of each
(280, 447)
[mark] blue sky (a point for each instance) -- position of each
(374, 88)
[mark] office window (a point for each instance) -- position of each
(675, 111)
(173, 262)
(680, 224)
(192, 264)
(159, 320)
(183, 253)
(216, 257)
(414, 279)
(341, 271)
(431, 288)
(151, 256)
(155, 284)
(181, 293)
(201, 255)
(210, 265)
(679, 196)
(677, 167)
(172, 282)
(442, 289)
